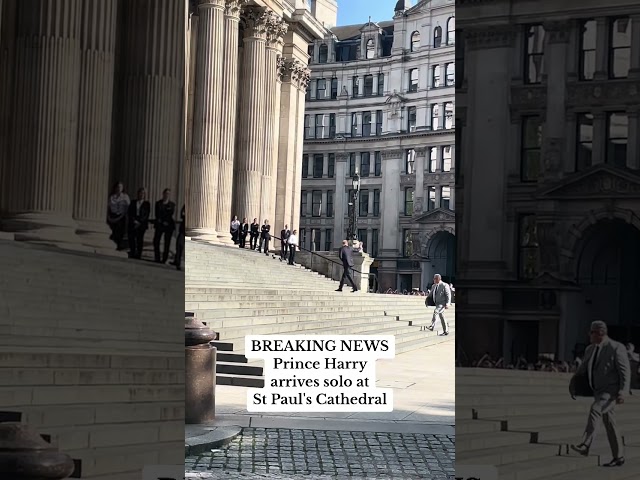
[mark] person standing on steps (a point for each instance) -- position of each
(441, 296)
(235, 230)
(117, 214)
(607, 373)
(180, 241)
(265, 236)
(346, 256)
(254, 233)
(244, 230)
(292, 244)
(139, 212)
(284, 236)
(165, 225)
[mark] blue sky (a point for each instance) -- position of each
(358, 11)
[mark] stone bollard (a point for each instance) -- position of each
(25, 455)
(200, 366)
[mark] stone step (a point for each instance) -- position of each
(477, 441)
(284, 302)
(238, 369)
(501, 455)
(210, 311)
(240, 381)
(224, 356)
(538, 469)
(468, 425)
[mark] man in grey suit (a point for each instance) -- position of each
(606, 367)
(441, 295)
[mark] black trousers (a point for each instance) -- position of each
(157, 237)
(179, 251)
(243, 240)
(118, 230)
(284, 250)
(234, 236)
(292, 254)
(264, 245)
(253, 242)
(136, 241)
(346, 275)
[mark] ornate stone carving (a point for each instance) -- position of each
(558, 31)
(281, 65)
(529, 97)
(598, 184)
(425, 237)
(392, 154)
(395, 102)
(211, 3)
(233, 8)
(417, 206)
(552, 156)
(255, 22)
(603, 93)
(276, 30)
(342, 157)
(298, 74)
(498, 36)
(438, 216)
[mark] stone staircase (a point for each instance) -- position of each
(241, 292)
(524, 422)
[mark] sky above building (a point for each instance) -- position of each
(358, 11)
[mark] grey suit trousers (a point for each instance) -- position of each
(603, 408)
(439, 312)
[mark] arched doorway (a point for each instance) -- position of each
(608, 272)
(441, 258)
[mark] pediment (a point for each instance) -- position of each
(439, 215)
(548, 279)
(395, 98)
(602, 181)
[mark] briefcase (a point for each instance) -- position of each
(429, 302)
(581, 386)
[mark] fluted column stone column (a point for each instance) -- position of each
(276, 28)
(229, 118)
(153, 97)
(40, 176)
(97, 45)
(252, 121)
(205, 152)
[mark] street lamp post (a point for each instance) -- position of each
(353, 214)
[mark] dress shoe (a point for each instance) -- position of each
(354, 290)
(339, 290)
(616, 462)
(582, 449)
(430, 328)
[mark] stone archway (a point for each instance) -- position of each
(438, 250)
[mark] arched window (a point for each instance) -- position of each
(323, 54)
(371, 49)
(451, 31)
(415, 41)
(437, 37)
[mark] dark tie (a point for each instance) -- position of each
(593, 365)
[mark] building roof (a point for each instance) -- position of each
(347, 32)
(402, 5)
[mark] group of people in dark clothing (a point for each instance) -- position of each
(260, 237)
(130, 220)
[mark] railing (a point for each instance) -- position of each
(371, 276)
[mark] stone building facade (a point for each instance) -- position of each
(247, 74)
(73, 74)
(381, 103)
(549, 175)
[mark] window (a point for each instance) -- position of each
(328, 240)
(408, 201)
(371, 49)
(450, 73)
(413, 80)
(435, 117)
(330, 203)
(376, 203)
(451, 31)
(321, 89)
(365, 164)
(331, 170)
(354, 124)
(332, 125)
(459, 63)
(433, 159)
(362, 238)
(303, 203)
(364, 203)
(320, 126)
(445, 197)
(381, 84)
(374, 242)
(431, 204)
(531, 144)
(310, 51)
(305, 166)
(323, 53)
(334, 88)
(316, 203)
(412, 118)
(435, 76)
(617, 138)
(307, 94)
(318, 165)
(437, 37)
(588, 49)
(620, 50)
(352, 164)
(410, 161)
(366, 124)
(534, 54)
(448, 115)
(528, 246)
(308, 131)
(415, 41)
(584, 147)
(368, 86)
(446, 158)
(316, 239)
(378, 164)
(378, 122)
(303, 238)
(354, 86)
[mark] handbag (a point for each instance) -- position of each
(580, 387)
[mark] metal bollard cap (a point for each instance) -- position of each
(195, 332)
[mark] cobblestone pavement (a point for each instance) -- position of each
(310, 454)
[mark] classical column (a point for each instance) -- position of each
(418, 206)
(340, 200)
(252, 121)
(93, 159)
(300, 76)
(602, 48)
(599, 137)
(40, 177)
(205, 150)
(154, 77)
(276, 28)
(391, 168)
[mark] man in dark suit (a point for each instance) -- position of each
(284, 237)
(138, 216)
(254, 233)
(265, 237)
(346, 256)
(180, 241)
(164, 225)
(244, 231)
